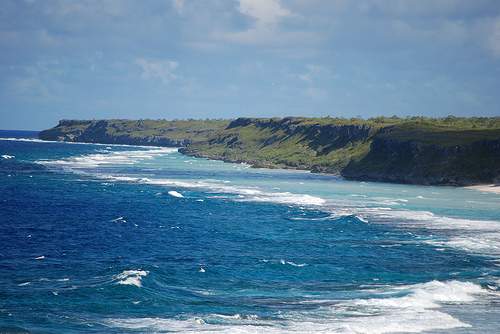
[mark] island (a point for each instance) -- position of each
(454, 151)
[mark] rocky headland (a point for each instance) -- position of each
(441, 151)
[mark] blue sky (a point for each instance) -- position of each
(228, 58)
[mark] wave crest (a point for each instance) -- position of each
(131, 277)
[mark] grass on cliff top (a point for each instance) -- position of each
(195, 130)
(458, 123)
(177, 129)
(264, 142)
(440, 131)
(439, 134)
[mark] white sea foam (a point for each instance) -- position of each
(429, 219)
(131, 277)
(287, 198)
(88, 162)
(28, 140)
(414, 312)
(484, 243)
(361, 218)
(174, 193)
(478, 236)
(399, 321)
(103, 159)
(119, 220)
(405, 309)
(427, 295)
(6, 156)
(293, 264)
(248, 193)
(231, 324)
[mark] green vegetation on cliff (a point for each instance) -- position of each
(319, 144)
(140, 132)
(452, 150)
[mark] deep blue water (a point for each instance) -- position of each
(97, 238)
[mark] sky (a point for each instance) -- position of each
(174, 59)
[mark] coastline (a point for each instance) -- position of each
(451, 152)
(489, 188)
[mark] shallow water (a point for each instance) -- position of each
(105, 238)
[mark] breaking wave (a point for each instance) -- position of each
(108, 158)
(131, 277)
(253, 194)
(404, 309)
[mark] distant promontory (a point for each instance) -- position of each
(416, 150)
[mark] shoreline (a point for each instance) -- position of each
(490, 188)
(487, 188)
(432, 152)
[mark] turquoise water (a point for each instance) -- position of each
(119, 239)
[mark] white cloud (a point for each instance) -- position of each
(266, 16)
(158, 69)
(265, 12)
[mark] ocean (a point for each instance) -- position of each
(127, 239)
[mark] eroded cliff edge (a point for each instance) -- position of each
(447, 151)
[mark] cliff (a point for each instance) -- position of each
(289, 142)
(447, 151)
(141, 132)
(430, 155)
